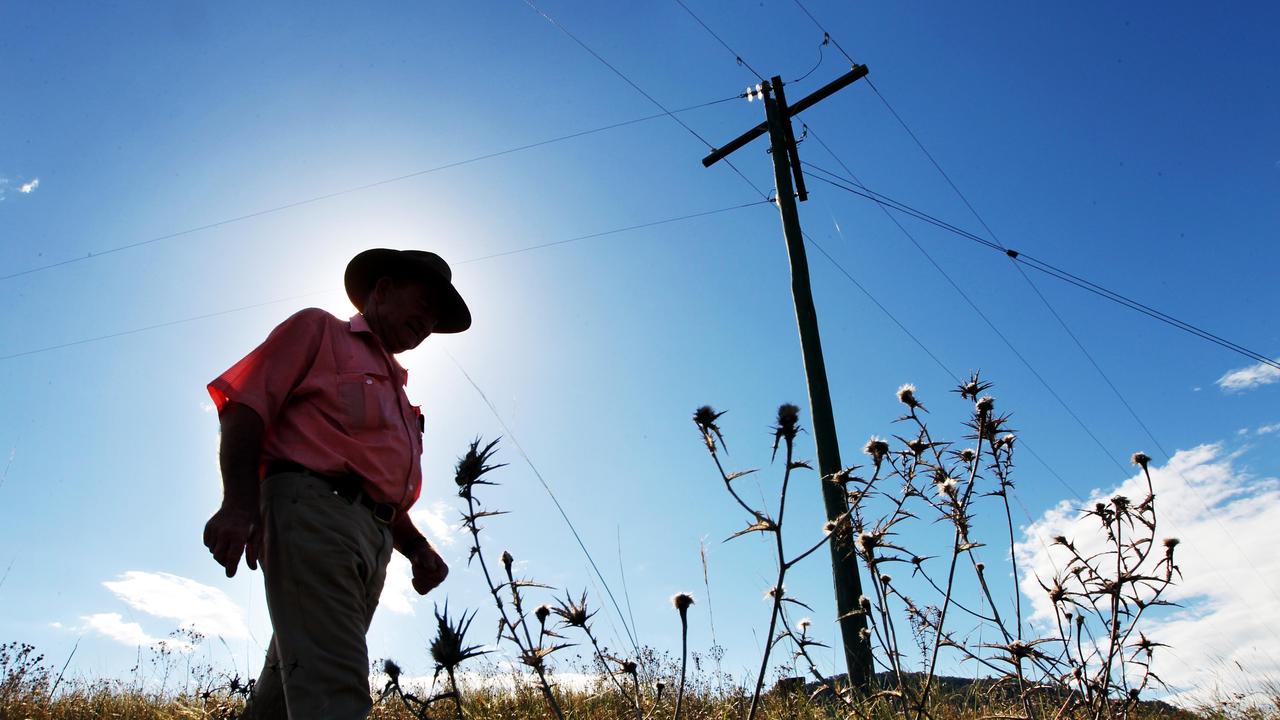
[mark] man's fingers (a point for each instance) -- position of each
(251, 549)
(209, 537)
(428, 573)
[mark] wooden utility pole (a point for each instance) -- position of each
(786, 166)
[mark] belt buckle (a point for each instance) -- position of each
(384, 513)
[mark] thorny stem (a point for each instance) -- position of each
(960, 538)
(532, 649)
(604, 662)
(778, 586)
(474, 528)
(813, 666)
(457, 697)
(684, 658)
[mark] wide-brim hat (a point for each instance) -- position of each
(365, 269)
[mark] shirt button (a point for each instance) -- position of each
(368, 381)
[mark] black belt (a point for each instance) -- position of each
(349, 487)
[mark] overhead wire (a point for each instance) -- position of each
(1020, 258)
(550, 493)
(556, 24)
(1027, 259)
(530, 248)
(736, 56)
(364, 186)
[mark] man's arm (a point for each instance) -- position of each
(234, 528)
(429, 569)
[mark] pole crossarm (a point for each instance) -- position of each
(856, 73)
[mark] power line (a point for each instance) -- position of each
(990, 324)
(1031, 261)
(365, 186)
(919, 343)
(736, 56)
(616, 231)
(156, 326)
(1034, 263)
(530, 248)
(556, 24)
(554, 500)
(824, 32)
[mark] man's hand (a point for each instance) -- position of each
(429, 569)
(232, 531)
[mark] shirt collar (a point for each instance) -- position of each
(359, 324)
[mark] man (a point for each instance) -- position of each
(320, 457)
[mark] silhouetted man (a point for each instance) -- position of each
(320, 458)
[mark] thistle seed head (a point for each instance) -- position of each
(1171, 543)
(803, 625)
(507, 560)
(876, 448)
(967, 455)
(681, 601)
(907, 396)
(788, 425)
(542, 612)
(392, 670)
(1141, 459)
(985, 405)
(864, 603)
(705, 418)
(948, 487)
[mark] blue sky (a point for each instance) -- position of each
(1134, 145)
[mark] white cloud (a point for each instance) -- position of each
(1230, 569)
(1247, 378)
(1268, 429)
(398, 595)
(195, 606)
(433, 523)
(26, 188)
(114, 627)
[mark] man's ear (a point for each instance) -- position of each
(381, 288)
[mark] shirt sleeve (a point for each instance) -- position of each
(264, 379)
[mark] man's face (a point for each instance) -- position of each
(402, 313)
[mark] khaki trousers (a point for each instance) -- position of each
(324, 561)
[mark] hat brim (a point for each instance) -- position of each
(365, 269)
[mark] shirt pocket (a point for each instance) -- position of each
(365, 399)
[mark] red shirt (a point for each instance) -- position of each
(333, 400)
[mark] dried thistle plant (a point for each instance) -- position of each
(512, 624)
(785, 429)
(1098, 663)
